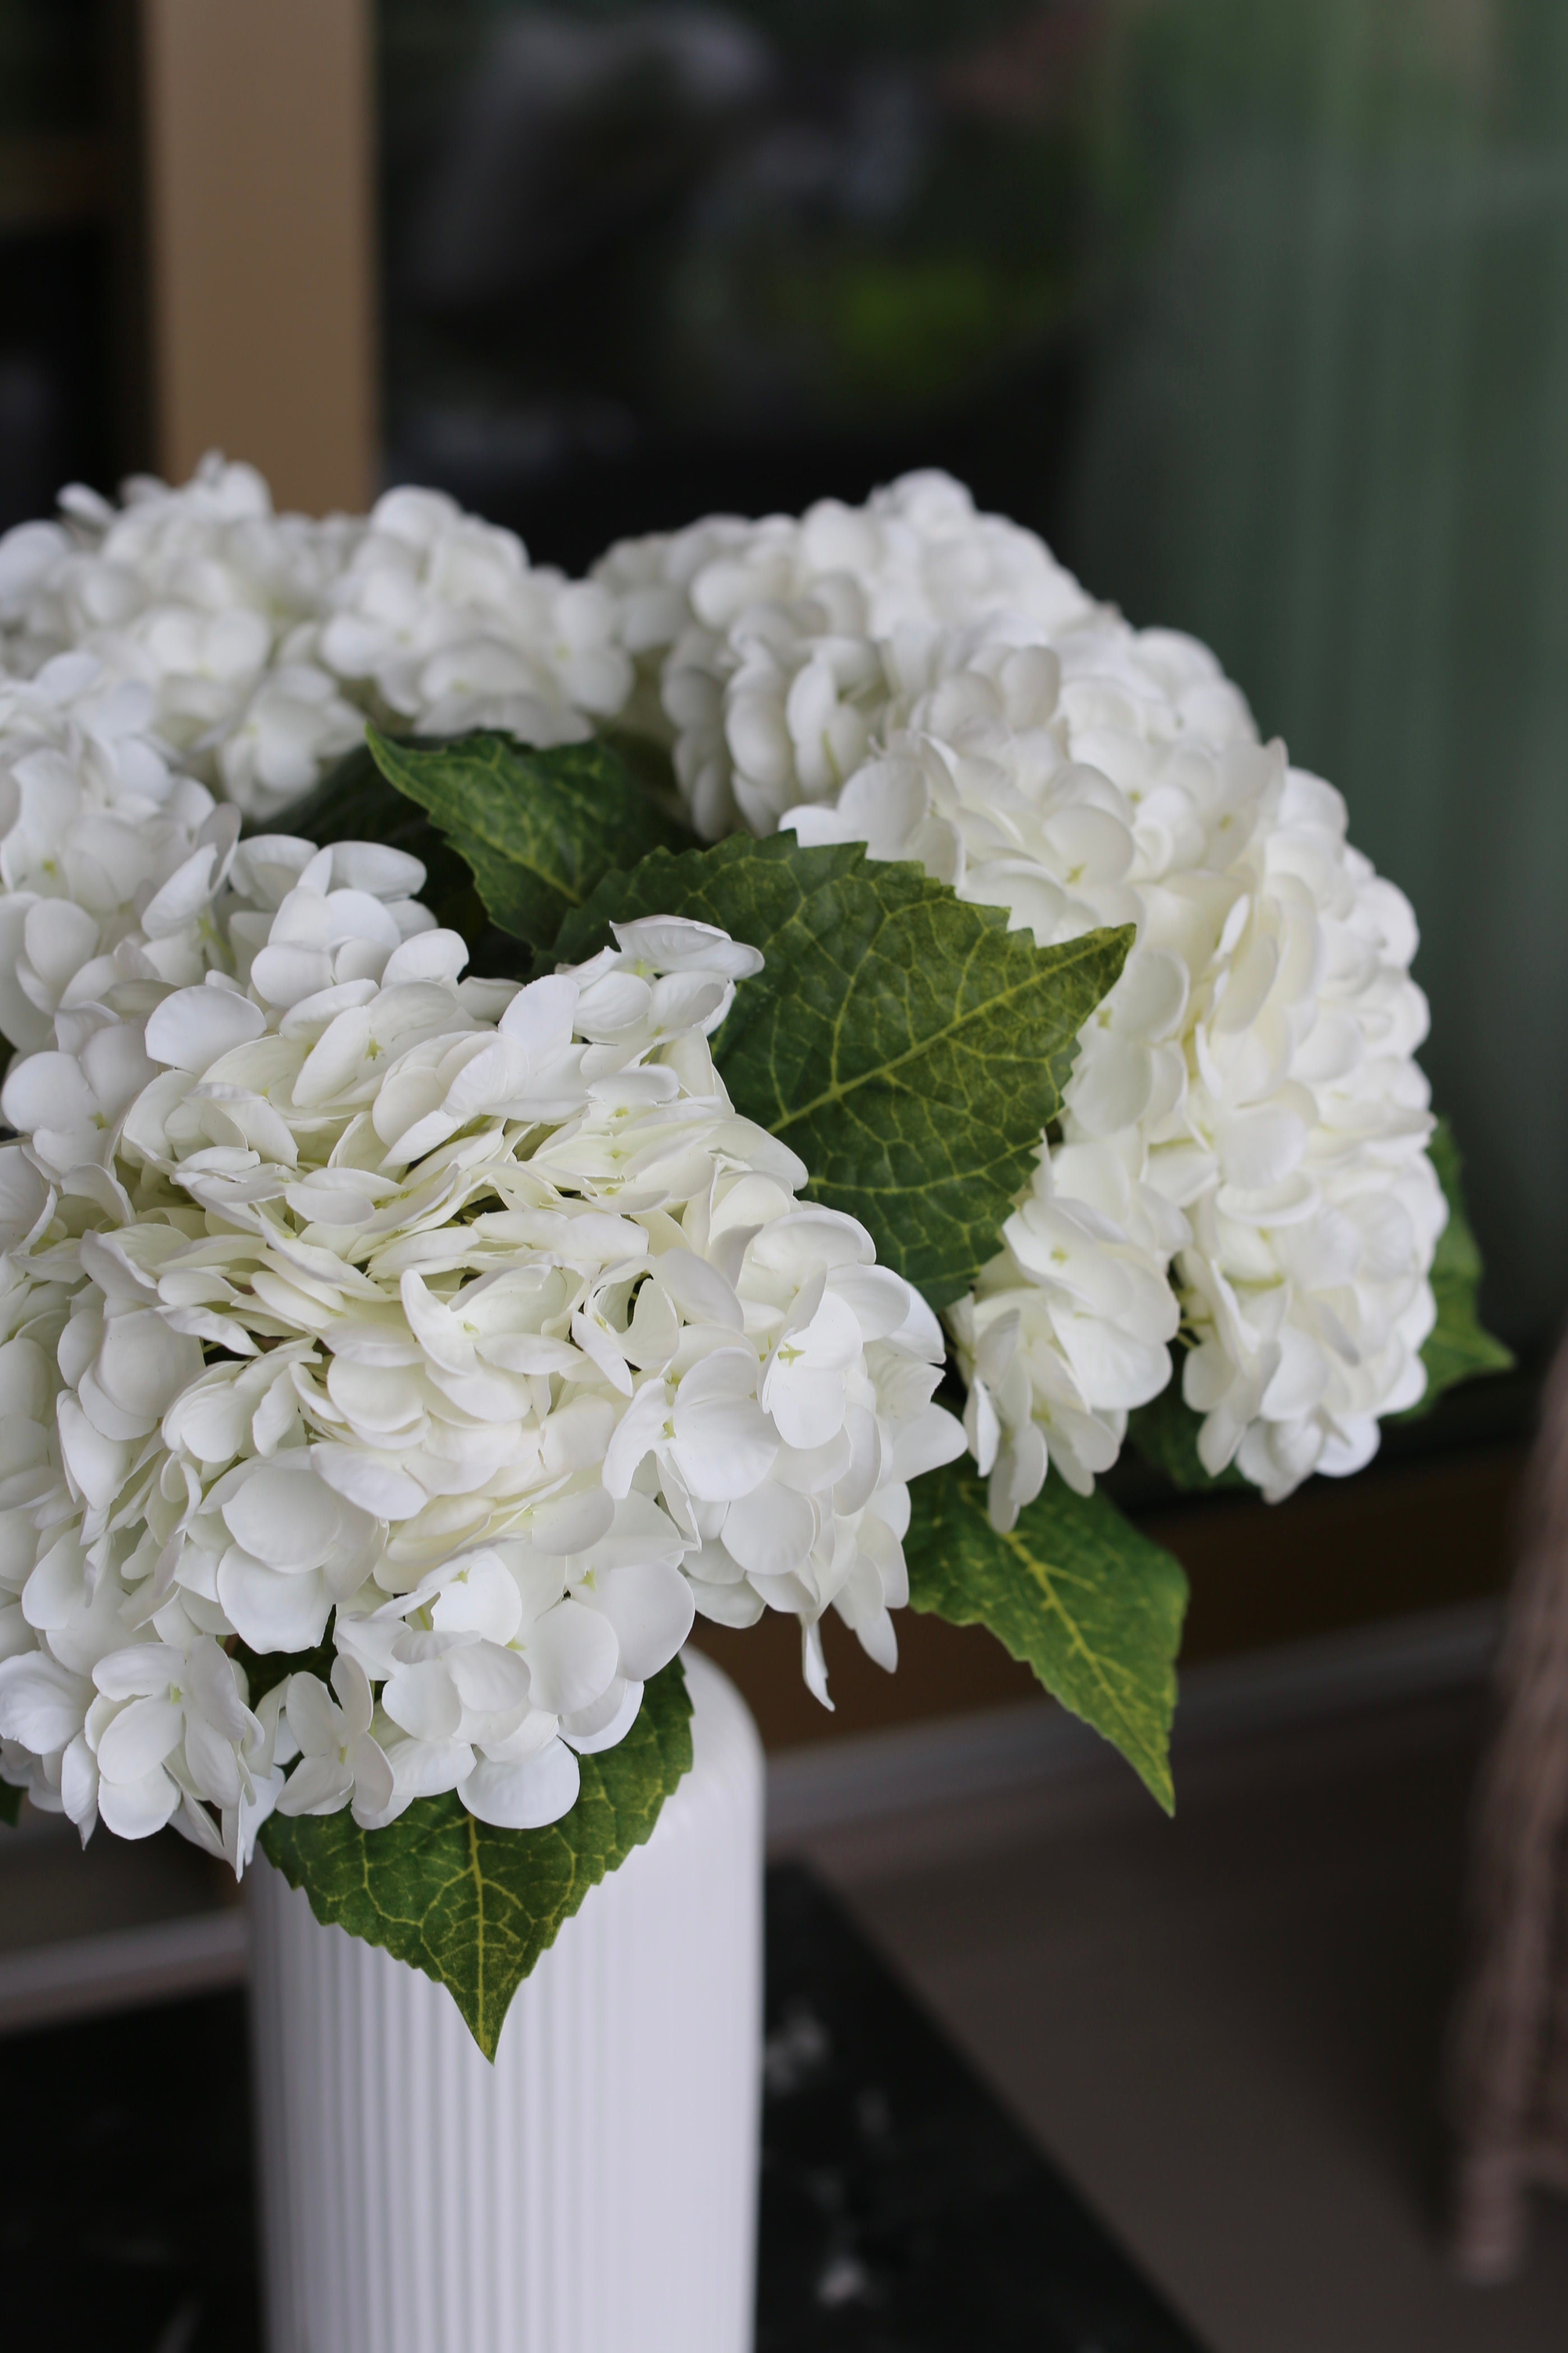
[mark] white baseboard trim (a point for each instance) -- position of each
(872, 1783)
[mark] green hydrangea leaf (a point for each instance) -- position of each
(538, 830)
(1165, 1433)
(1458, 1346)
(909, 1046)
(1074, 1591)
(474, 1906)
(10, 1803)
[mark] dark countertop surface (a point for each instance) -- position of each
(903, 2211)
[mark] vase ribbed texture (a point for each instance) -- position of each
(593, 2192)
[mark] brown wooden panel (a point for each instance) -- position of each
(1344, 1552)
(260, 242)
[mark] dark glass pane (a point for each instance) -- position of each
(1258, 308)
(56, 200)
(646, 261)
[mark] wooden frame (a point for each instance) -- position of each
(258, 150)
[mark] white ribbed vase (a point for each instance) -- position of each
(593, 2192)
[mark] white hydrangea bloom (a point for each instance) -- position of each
(767, 652)
(33, 1499)
(443, 621)
(110, 861)
(91, 1722)
(525, 1351)
(1306, 1281)
(167, 1727)
(1067, 1328)
(54, 1196)
(1246, 1108)
(214, 907)
(263, 639)
(209, 599)
(294, 724)
(338, 1289)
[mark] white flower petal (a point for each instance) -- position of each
(318, 1785)
(423, 1699)
(526, 1796)
(772, 1530)
(606, 1724)
(572, 1653)
(650, 1607)
(271, 1610)
(135, 1809)
(371, 1482)
(488, 1679)
(41, 1704)
(191, 1028)
(315, 1722)
(285, 1515)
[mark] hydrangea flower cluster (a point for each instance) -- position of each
(1242, 1155)
(111, 860)
(1242, 1141)
(439, 621)
(462, 1327)
(768, 653)
(209, 600)
(264, 640)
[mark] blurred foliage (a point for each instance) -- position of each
(793, 216)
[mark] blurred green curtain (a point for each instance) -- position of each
(1325, 427)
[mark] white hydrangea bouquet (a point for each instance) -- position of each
(510, 1078)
